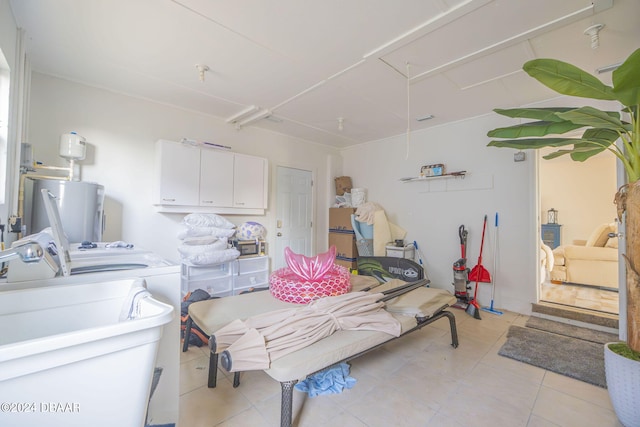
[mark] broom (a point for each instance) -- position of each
(490, 309)
(478, 272)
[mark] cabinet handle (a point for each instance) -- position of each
(206, 201)
(168, 200)
(240, 203)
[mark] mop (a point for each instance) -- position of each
(490, 309)
(479, 273)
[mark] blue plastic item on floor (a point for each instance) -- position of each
(329, 381)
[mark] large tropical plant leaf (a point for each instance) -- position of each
(568, 79)
(532, 143)
(603, 129)
(626, 80)
(582, 151)
(543, 114)
(601, 136)
(534, 129)
(589, 116)
(579, 154)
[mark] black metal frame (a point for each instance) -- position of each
(286, 399)
(286, 402)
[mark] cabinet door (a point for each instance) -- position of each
(178, 181)
(216, 178)
(249, 182)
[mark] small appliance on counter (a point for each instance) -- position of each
(249, 248)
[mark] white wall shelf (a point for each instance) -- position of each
(459, 174)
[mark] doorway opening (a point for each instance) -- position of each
(578, 270)
(294, 213)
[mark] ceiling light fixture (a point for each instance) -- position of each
(262, 114)
(201, 70)
(274, 119)
(242, 114)
(608, 68)
(593, 31)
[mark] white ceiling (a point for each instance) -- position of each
(378, 64)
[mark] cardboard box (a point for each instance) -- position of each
(345, 244)
(343, 185)
(340, 218)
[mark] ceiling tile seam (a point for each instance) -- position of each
(317, 85)
(392, 67)
(306, 125)
(427, 27)
(423, 29)
(171, 84)
(492, 79)
(221, 25)
(511, 41)
(419, 31)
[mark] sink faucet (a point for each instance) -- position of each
(27, 252)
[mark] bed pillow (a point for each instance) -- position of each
(206, 220)
(205, 231)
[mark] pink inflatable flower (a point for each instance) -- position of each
(310, 268)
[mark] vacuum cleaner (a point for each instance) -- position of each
(461, 273)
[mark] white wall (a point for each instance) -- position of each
(8, 32)
(432, 211)
(122, 131)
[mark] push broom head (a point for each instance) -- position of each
(473, 309)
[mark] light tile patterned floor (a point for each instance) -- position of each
(586, 297)
(419, 380)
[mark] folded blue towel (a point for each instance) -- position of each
(329, 381)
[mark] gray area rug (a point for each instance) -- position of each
(564, 349)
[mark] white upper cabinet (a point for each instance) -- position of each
(195, 179)
(177, 181)
(216, 178)
(249, 174)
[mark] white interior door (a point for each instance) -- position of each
(293, 213)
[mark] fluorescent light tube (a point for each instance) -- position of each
(264, 113)
(242, 114)
(608, 68)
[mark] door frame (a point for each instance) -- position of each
(622, 285)
(276, 193)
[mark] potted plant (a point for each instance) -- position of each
(619, 133)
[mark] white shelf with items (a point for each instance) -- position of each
(226, 278)
(458, 174)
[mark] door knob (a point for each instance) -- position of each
(279, 234)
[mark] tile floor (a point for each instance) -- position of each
(419, 380)
(586, 297)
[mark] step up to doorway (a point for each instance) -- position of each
(575, 316)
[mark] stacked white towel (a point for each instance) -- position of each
(205, 239)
